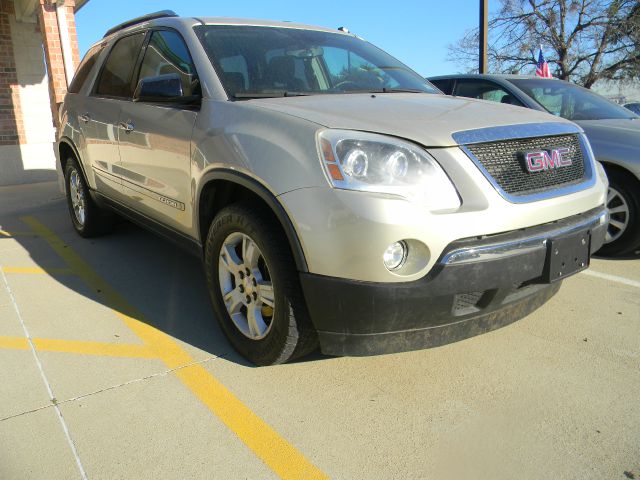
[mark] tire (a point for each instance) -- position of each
(266, 325)
(87, 218)
(623, 201)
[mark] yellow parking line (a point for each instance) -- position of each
(4, 233)
(93, 348)
(38, 270)
(80, 347)
(278, 454)
(14, 343)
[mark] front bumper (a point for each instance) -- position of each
(478, 285)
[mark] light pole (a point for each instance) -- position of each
(483, 33)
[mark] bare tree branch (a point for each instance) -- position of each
(584, 40)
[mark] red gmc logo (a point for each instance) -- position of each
(547, 160)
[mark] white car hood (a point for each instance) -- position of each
(427, 119)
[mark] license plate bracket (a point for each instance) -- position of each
(567, 255)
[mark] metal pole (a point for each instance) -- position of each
(483, 33)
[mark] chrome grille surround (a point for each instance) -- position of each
(547, 134)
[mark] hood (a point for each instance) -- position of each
(427, 119)
(612, 131)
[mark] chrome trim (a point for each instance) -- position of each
(510, 132)
(588, 182)
(517, 247)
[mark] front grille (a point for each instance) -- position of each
(504, 161)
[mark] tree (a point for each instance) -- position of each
(583, 40)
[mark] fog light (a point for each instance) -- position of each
(395, 255)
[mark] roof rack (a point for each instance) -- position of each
(143, 18)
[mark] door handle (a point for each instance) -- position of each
(127, 126)
(85, 117)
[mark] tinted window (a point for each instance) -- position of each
(485, 90)
(116, 76)
(272, 60)
(446, 85)
(167, 53)
(570, 101)
(84, 69)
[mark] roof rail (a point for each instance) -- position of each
(143, 18)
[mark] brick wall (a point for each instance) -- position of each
(11, 126)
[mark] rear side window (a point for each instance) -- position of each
(115, 79)
(167, 53)
(446, 85)
(485, 90)
(84, 69)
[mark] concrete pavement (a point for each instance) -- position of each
(113, 367)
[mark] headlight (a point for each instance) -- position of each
(377, 163)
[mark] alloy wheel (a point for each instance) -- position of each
(245, 285)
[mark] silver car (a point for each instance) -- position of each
(613, 131)
(335, 197)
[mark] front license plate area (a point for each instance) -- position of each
(567, 255)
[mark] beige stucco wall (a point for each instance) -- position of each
(32, 160)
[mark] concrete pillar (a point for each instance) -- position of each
(11, 124)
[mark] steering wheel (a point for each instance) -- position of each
(348, 85)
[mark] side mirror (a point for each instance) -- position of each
(160, 89)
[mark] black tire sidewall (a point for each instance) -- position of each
(630, 239)
(279, 342)
(70, 167)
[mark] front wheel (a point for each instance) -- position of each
(623, 202)
(254, 287)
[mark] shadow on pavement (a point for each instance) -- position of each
(156, 277)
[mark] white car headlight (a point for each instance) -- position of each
(376, 163)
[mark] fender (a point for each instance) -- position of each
(267, 196)
(67, 141)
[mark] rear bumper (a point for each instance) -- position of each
(478, 285)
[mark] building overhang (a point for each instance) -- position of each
(26, 9)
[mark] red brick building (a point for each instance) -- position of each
(38, 56)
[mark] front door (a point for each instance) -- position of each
(155, 139)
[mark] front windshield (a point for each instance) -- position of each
(570, 101)
(254, 61)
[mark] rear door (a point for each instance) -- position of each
(99, 118)
(155, 138)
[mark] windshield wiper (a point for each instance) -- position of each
(400, 90)
(282, 93)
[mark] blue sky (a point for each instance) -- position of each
(416, 32)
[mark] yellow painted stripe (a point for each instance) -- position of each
(79, 347)
(279, 455)
(38, 270)
(4, 233)
(93, 348)
(14, 343)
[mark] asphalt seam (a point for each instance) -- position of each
(52, 397)
(112, 387)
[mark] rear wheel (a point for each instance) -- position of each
(87, 218)
(623, 202)
(254, 287)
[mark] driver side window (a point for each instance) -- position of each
(167, 53)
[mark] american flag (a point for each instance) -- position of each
(542, 68)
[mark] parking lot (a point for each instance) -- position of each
(113, 367)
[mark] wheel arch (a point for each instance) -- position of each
(611, 166)
(67, 148)
(222, 187)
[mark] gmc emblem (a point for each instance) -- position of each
(547, 160)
